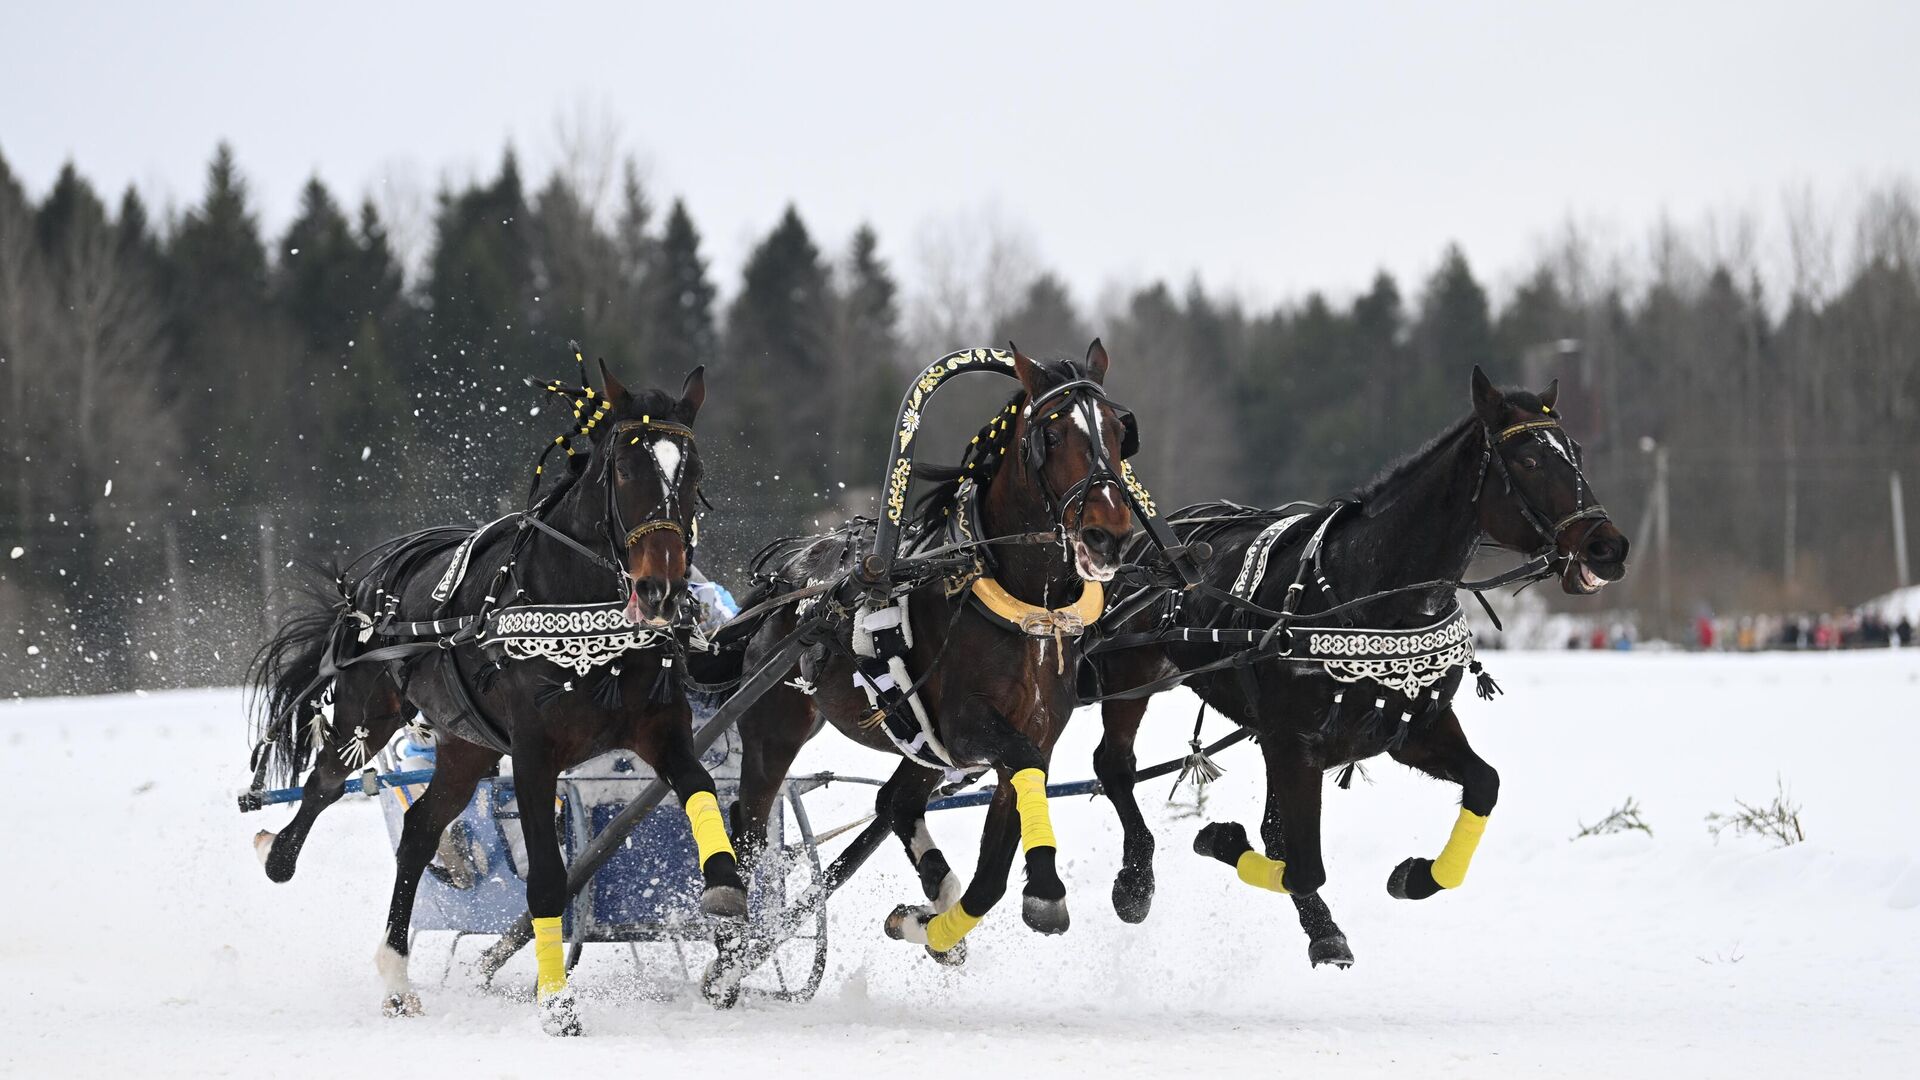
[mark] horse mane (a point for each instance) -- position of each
(1385, 480)
(986, 451)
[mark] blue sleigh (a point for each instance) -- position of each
(648, 891)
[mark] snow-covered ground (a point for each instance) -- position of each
(143, 938)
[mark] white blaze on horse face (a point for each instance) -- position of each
(1553, 439)
(666, 454)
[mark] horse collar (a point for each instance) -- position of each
(1031, 619)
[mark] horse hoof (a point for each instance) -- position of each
(718, 984)
(1412, 880)
(1223, 840)
(402, 1004)
(953, 957)
(560, 1014)
(1331, 949)
(279, 869)
(724, 901)
(908, 922)
(1133, 895)
(1046, 916)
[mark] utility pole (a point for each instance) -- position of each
(1666, 559)
(1899, 529)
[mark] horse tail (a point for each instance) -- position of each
(286, 687)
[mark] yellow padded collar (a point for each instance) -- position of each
(1028, 618)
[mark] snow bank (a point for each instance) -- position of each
(146, 940)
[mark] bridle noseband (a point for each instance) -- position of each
(1549, 531)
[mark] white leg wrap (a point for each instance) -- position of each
(393, 969)
(950, 892)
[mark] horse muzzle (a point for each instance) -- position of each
(1599, 560)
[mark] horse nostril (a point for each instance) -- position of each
(1099, 541)
(1606, 550)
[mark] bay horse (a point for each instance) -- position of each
(594, 575)
(991, 655)
(1507, 474)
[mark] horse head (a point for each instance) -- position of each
(1071, 442)
(1543, 504)
(646, 459)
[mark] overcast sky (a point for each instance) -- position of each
(1268, 147)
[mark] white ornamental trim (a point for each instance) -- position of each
(1407, 661)
(578, 637)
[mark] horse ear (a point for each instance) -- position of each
(1550, 394)
(1489, 404)
(1026, 369)
(693, 393)
(1097, 361)
(616, 393)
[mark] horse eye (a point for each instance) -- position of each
(620, 469)
(1529, 463)
(1053, 437)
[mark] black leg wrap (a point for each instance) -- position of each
(726, 894)
(1412, 880)
(933, 873)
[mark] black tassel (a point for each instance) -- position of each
(607, 693)
(1483, 683)
(1375, 716)
(1345, 779)
(1400, 728)
(550, 693)
(483, 678)
(1333, 714)
(666, 685)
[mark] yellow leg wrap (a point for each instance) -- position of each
(709, 828)
(1030, 796)
(945, 930)
(1450, 869)
(1261, 872)
(550, 955)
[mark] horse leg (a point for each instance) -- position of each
(668, 747)
(771, 735)
(944, 933)
(457, 771)
(1023, 777)
(365, 716)
(1440, 750)
(535, 778)
(1113, 764)
(1291, 862)
(903, 801)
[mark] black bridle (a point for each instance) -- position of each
(1082, 396)
(1549, 530)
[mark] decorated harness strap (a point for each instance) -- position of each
(457, 569)
(1253, 569)
(882, 637)
(579, 637)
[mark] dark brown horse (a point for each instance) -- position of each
(604, 552)
(993, 651)
(1507, 474)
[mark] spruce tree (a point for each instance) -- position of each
(868, 368)
(776, 362)
(234, 390)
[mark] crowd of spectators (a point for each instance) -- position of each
(1755, 633)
